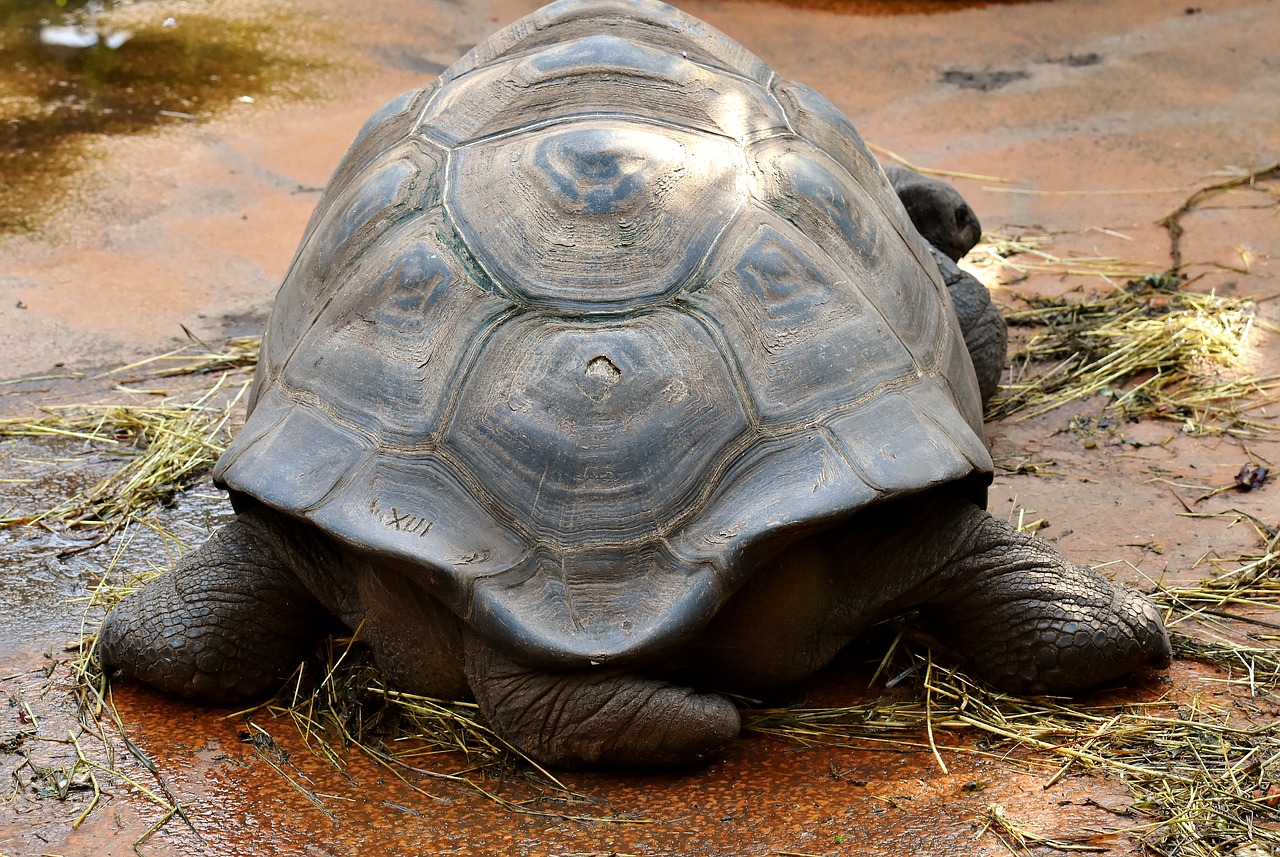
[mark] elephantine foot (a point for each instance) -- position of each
(581, 718)
(1031, 621)
(227, 624)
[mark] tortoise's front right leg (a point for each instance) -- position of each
(227, 624)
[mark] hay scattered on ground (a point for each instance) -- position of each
(1196, 774)
(1152, 346)
(162, 445)
(1203, 777)
(1006, 258)
(163, 448)
(338, 701)
(83, 750)
(1153, 349)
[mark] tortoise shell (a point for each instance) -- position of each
(585, 331)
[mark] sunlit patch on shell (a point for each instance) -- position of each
(597, 214)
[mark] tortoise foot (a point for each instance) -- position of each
(226, 625)
(584, 718)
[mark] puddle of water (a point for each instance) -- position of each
(89, 68)
(46, 573)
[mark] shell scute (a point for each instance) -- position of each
(419, 504)
(807, 337)
(388, 351)
(813, 193)
(294, 455)
(597, 604)
(897, 445)
(593, 76)
(816, 119)
(740, 518)
(347, 222)
(596, 433)
(403, 181)
(652, 23)
(389, 124)
(597, 214)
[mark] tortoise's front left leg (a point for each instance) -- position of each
(1024, 617)
(228, 623)
(1028, 619)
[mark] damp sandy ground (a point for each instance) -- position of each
(1103, 116)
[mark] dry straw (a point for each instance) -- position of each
(163, 444)
(1198, 775)
(1151, 348)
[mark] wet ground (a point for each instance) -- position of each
(1104, 117)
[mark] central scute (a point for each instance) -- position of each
(596, 214)
(597, 433)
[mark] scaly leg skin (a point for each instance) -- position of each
(227, 624)
(586, 718)
(1025, 618)
(1031, 621)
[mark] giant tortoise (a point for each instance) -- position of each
(612, 377)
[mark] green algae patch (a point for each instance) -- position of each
(71, 73)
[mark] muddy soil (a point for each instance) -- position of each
(1102, 117)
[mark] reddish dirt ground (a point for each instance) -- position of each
(1103, 116)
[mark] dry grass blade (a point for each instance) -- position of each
(997, 820)
(1201, 774)
(932, 171)
(232, 355)
(1151, 331)
(161, 447)
(1003, 257)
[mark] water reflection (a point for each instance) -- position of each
(75, 69)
